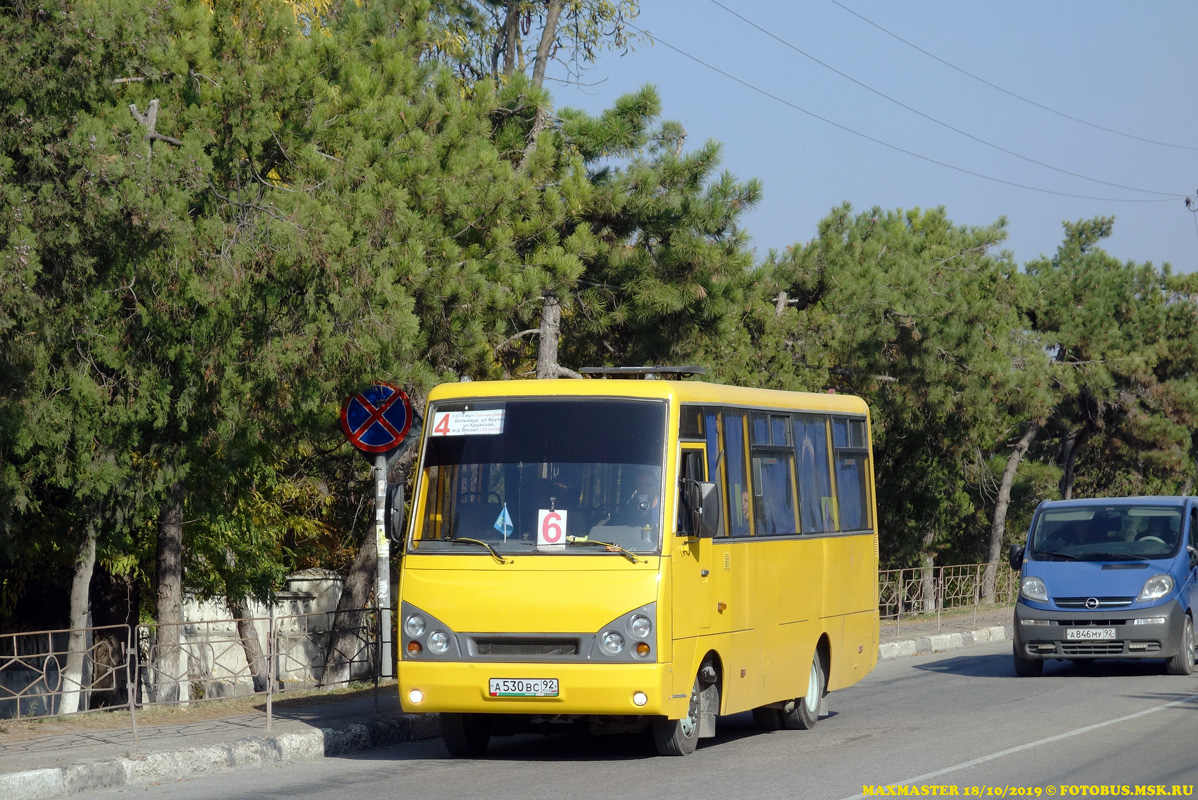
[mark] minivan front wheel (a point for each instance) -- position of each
(1183, 662)
(1027, 667)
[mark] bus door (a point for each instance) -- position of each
(694, 581)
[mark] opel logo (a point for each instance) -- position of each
(1092, 603)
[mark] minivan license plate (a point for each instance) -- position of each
(1089, 634)
(523, 687)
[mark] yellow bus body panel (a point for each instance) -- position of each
(533, 594)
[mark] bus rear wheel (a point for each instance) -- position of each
(802, 713)
(466, 735)
(679, 737)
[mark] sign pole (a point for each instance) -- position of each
(376, 421)
(383, 571)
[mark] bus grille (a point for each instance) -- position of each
(526, 647)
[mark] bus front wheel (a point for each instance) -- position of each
(678, 737)
(466, 735)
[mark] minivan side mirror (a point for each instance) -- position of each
(1015, 557)
(703, 502)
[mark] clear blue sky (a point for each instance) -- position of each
(1126, 66)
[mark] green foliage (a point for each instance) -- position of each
(921, 318)
(1123, 341)
(323, 203)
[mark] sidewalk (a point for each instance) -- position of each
(97, 751)
(70, 756)
(953, 629)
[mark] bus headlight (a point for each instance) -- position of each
(611, 643)
(414, 626)
(438, 642)
(640, 627)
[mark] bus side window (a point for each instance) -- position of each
(852, 467)
(817, 508)
(775, 505)
(739, 491)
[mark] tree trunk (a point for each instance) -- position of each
(927, 578)
(73, 673)
(1070, 447)
(551, 319)
(545, 46)
(505, 44)
(247, 631)
(168, 677)
(998, 524)
(345, 641)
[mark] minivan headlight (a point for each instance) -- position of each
(1155, 588)
(1034, 589)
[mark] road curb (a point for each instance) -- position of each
(942, 642)
(174, 765)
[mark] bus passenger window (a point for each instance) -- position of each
(816, 505)
(852, 468)
(736, 473)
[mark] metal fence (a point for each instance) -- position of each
(931, 590)
(124, 667)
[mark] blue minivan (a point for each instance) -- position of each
(1113, 577)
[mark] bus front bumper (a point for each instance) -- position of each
(582, 689)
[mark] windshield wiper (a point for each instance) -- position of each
(1054, 554)
(1113, 557)
(481, 543)
(611, 546)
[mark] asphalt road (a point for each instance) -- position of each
(957, 723)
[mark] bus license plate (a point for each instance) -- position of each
(1089, 634)
(523, 687)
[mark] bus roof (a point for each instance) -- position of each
(679, 391)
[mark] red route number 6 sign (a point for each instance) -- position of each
(551, 528)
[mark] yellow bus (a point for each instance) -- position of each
(629, 554)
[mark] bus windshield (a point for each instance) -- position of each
(543, 475)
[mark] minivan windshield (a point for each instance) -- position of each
(575, 476)
(1106, 533)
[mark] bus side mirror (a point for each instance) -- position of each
(1015, 557)
(393, 515)
(703, 500)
